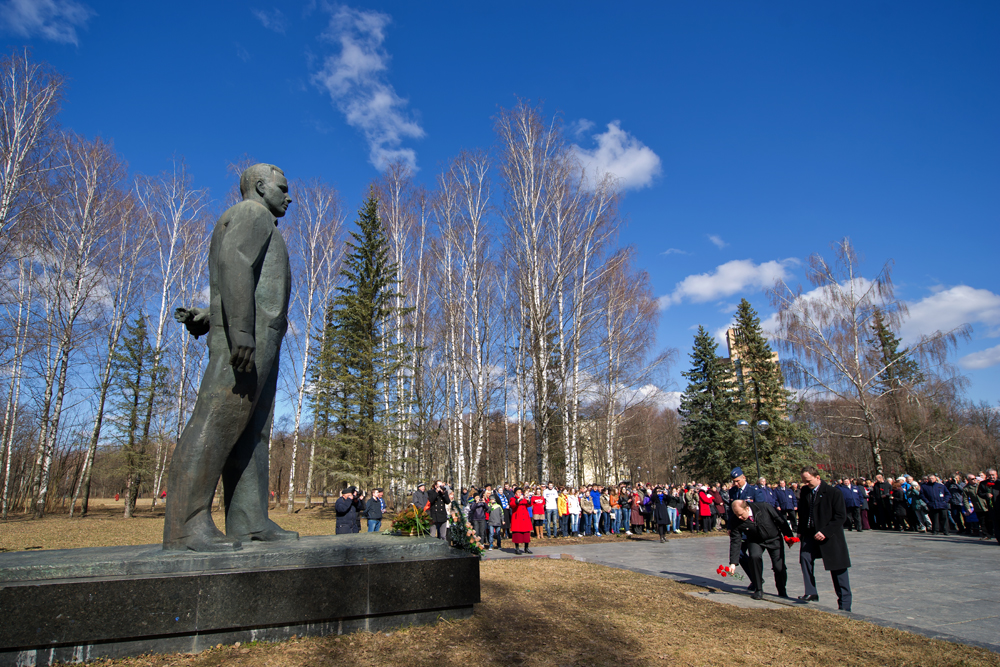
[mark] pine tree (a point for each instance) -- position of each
(900, 369)
(762, 395)
(900, 375)
(709, 437)
(135, 376)
(362, 357)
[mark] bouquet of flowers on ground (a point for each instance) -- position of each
(791, 540)
(411, 521)
(461, 534)
(724, 571)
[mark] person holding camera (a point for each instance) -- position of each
(439, 498)
(346, 508)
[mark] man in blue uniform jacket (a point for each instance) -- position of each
(787, 503)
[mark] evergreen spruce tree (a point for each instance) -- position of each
(362, 357)
(761, 394)
(326, 398)
(901, 370)
(710, 441)
(901, 375)
(135, 376)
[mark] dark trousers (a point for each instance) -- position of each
(753, 564)
(506, 521)
(854, 518)
(939, 520)
(808, 554)
(791, 516)
(956, 518)
(479, 525)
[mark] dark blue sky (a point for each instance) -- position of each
(779, 127)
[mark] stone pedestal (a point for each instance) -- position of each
(80, 604)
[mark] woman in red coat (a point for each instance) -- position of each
(520, 521)
(705, 509)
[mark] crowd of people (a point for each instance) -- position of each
(963, 504)
(760, 518)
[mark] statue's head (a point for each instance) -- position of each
(266, 184)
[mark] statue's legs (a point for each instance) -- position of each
(245, 477)
(220, 417)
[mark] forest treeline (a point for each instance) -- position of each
(509, 337)
(488, 327)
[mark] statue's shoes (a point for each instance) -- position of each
(272, 535)
(200, 543)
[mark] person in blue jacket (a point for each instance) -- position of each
(762, 494)
(595, 495)
(938, 498)
(852, 503)
(787, 503)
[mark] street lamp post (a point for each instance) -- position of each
(762, 426)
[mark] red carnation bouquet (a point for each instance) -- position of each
(724, 572)
(791, 540)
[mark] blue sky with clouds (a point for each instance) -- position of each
(748, 135)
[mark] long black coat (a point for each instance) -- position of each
(660, 513)
(766, 529)
(830, 517)
(347, 515)
(439, 505)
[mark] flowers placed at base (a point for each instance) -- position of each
(723, 570)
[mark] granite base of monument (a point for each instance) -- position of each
(75, 605)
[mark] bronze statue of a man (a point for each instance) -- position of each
(227, 435)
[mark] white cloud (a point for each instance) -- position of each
(726, 280)
(717, 241)
(621, 154)
(982, 359)
(949, 308)
(674, 251)
(355, 78)
(55, 20)
(580, 127)
(272, 20)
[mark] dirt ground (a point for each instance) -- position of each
(543, 612)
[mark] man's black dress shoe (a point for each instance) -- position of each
(757, 595)
(809, 598)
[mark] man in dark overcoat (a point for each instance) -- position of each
(757, 527)
(821, 529)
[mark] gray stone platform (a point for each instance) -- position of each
(936, 586)
(79, 604)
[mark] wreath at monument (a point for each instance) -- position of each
(461, 533)
(411, 521)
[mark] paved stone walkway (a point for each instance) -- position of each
(942, 587)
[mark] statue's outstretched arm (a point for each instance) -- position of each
(194, 319)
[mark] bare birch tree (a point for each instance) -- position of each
(30, 94)
(87, 197)
(170, 207)
(314, 232)
(124, 265)
(828, 329)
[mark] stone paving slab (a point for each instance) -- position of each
(940, 587)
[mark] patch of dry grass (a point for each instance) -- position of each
(559, 613)
(539, 612)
